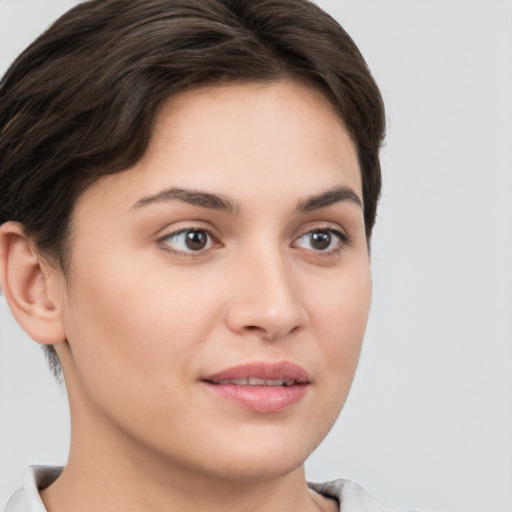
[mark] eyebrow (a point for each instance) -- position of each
(192, 197)
(216, 202)
(328, 198)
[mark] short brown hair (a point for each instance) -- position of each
(80, 102)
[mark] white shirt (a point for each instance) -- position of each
(350, 496)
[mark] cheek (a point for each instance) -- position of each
(341, 315)
(123, 322)
(135, 340)
(341, 309)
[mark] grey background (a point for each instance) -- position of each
(429, 420)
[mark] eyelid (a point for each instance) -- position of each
(333, 227)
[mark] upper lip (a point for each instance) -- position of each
(283, 370)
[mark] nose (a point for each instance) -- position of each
(265, 299)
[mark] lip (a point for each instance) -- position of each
(261, 398)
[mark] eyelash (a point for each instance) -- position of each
(343, 241)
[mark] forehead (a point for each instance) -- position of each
(241, 138)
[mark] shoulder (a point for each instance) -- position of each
(351, 496)
(27, 498)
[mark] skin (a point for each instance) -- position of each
(140, 318)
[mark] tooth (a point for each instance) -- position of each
(236, 382)
(254, 381)
(274, 382)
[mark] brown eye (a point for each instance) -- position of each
(320, 240)
(196, 240)
(188, 241)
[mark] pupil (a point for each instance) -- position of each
(321, 240)
(196, 240)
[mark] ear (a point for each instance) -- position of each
(30, 286)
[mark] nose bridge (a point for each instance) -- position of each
(266, 298)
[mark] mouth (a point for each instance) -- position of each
(255, 381)
(261, 387)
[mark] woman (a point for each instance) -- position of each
(188, 194)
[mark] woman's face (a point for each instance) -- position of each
(219, 289)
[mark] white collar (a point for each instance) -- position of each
(27, 499)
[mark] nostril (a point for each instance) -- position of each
(255, 328)
(269, 333)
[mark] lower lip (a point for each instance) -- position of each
(261, 398)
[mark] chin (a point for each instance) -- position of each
(259, 458)
(253, 469)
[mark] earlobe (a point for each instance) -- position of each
(27, 285)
